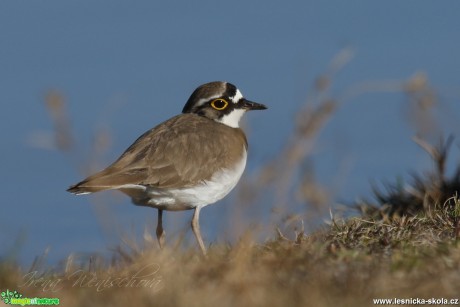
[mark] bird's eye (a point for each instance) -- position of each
(219, 104)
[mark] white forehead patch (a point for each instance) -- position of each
(237, 96)
(232, 119)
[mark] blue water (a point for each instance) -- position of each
(126, 67)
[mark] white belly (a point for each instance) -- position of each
(220, 184)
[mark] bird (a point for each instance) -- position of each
(187, 162)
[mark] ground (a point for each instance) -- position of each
(347, 263)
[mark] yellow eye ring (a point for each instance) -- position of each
(219, 104)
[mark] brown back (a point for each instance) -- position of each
(181, 152)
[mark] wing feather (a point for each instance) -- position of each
(171, 155)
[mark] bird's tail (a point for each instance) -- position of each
(84, 187)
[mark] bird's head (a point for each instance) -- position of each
(220, 101)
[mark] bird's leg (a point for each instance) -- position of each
(160, 230)
(196, 229)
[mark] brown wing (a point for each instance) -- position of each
(180, 152)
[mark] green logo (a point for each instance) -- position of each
(15, 298)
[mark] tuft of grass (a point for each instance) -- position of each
(427, 191)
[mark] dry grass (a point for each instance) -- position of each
(429, 191)
(347, 263)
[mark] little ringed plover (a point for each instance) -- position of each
(187, 162)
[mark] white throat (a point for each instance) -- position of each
(232, 119)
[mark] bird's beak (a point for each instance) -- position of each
(250, 105)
